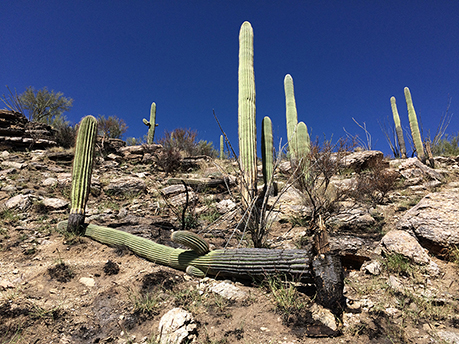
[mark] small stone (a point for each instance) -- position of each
(55, 203)
(49, 182)
(228, 291)
(225, 206)
(19, 201)
(372, 267)
(87, 281)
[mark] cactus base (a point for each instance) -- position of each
(76, 224)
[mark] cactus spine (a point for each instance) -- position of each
(398, 128)
(246, 114)
(152, 124)
(267, 151)
(81, 176)
(415, 133)
(222, 148)
(291, 114)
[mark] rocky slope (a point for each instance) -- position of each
(400, 283)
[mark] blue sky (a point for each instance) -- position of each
(347, 58)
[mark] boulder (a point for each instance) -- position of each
(176, 327)
(434, 220)
(397, 241)
(412, 168)
(126, 186)
(362, 160)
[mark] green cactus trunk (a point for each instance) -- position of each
(199, 261)
(291, 115)
(246, 115)
(302, 144)
(151, 124)
(222, 148)
(415, 133)
(81, 176)
(267, 151)
(398, 128)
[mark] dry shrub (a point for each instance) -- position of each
(374, 184)
(325, 161)
(168, 159)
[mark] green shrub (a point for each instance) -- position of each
(447, 146)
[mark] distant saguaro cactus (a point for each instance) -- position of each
(151, 124)
(81, 175)
(414, 126)
(398, 128)
(291, 115)
(267, 151)
(246, 114)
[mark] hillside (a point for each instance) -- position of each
(57, 288)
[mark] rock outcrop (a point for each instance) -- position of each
(17, 132)
(434, 220)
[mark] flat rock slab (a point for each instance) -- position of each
(434, 220)
(403, 243)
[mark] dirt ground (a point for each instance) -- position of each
(60, 289)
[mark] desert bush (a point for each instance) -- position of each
(374, 184)
(111, 127)
(184, 140)
(38, 105)
(168, 159)
(447, 146)
(65, 134)
(325, 161)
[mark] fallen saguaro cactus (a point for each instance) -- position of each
(324, 271)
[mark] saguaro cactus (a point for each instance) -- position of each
(291, 114)
(151, 124)
(267, 151)
(398, 128)
(246, 114)
(81, 176)
(302, 144)
(415, 133)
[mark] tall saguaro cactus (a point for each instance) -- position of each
(291, 114)
(415, 133)
(398, 128)
(267, 151)
(81, 175)
(246, 114)
(151, 124)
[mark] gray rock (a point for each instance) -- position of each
(13, 164)
(126, 186)
(359, 161)
(352, 218)
(55, 203)
(8, 171)
(176, 327)
(449, 336)
(413, 168)
(397, 241)
(228, 290)
(225, 206)
(372, 267)
(434, 220)
(21, 202)
(49, 182)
